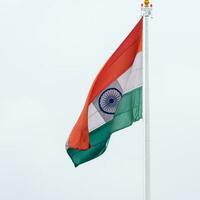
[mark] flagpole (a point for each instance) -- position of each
(146, 13)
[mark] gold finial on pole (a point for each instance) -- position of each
(146, 3)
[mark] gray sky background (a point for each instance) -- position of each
(50, 52)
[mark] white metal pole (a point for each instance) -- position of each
(147, 114)
(146, 12)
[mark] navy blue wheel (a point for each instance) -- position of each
(109, 100)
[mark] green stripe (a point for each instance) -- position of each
(128, 111)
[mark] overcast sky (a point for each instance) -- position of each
(50, 52)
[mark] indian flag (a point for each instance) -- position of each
(114, 101)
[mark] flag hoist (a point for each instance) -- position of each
(118, 97)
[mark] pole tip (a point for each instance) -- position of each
(146, 3)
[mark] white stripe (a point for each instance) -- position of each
(94, 118)
(132, 78)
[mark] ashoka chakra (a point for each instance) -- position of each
(109, 100)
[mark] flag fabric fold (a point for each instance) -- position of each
(113, 103)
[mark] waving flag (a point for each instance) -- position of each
(113, 103)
